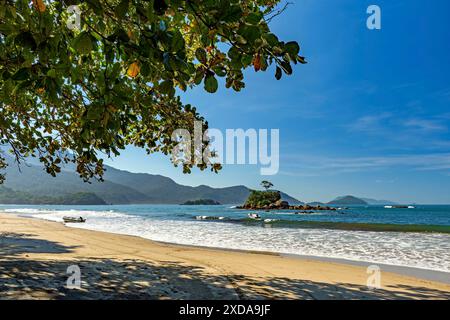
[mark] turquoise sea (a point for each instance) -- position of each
(418, 237)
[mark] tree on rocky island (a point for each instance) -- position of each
(266, 184)
(81, 94)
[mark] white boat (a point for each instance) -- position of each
(209, 218)
(254, 216)
(399, 207)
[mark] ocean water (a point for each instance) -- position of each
(287, 234)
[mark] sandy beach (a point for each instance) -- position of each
(35, 255)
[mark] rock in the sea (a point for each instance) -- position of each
(282, 204)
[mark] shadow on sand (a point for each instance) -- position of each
(22, 278)
(19, 243)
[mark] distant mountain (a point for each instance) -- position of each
(348, 200)
(33, 180)
(316, 203)
(378, 202)
(160, 189)
(119, 187)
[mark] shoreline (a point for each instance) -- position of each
(418, 272)
(422, 273)
(191, 272)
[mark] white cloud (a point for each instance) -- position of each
(370, 124)
(425, 125)
(334, 165)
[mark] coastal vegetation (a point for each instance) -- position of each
(260, 199)
(201, 202)
(77, 94)
(8, 196)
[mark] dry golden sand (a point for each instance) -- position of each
(35, 254)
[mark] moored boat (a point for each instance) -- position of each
(400, 207)
(254, 216)
(74, 220)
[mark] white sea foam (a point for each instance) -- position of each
(420, 250)
(57, 215)
(25, 210)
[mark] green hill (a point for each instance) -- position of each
(119, 187)
(348, 200)
(9, 196)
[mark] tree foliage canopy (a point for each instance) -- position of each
(77, 95)
(266, 184)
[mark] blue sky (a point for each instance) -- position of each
(368, 115)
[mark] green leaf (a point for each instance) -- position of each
(278, 73)
(51, 73)
(211, 83)
(200, 54)
(26, 40)
(286, 67)
(301, 60)
(167, 87)
(96, 6)
(177, 42)
(250, 33)
(199, 74)
(83, 43)
(121, 9)
(233, 53)
(220, 71)
(292, 48)
(271, 39)
(93, 113)
(7, 28)
(21, 74)
(254, 18)
(234, 13)
(160, 6)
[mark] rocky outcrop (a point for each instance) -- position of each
(284, 205)
(271, 200)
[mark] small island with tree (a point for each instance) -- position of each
(271, 200)
(201, 202)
